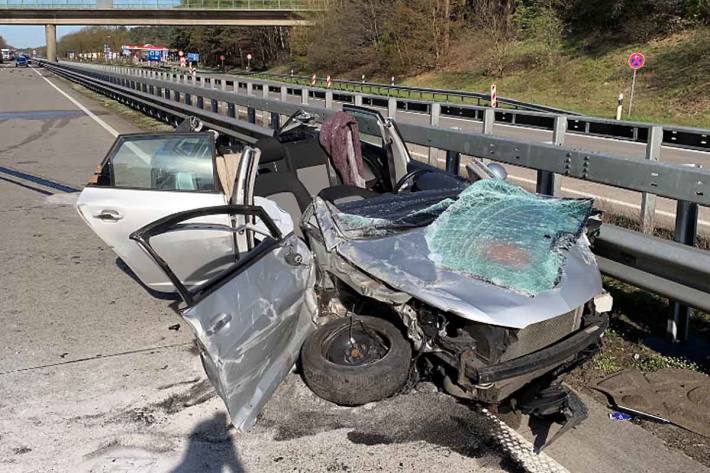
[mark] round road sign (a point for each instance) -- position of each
(636, 61)
(249, 56)
(181, 54)
(221, 57)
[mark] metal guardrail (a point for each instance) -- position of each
(408, 92)
(670, 269)
(295, 5)
(453, 104)
(456, 104)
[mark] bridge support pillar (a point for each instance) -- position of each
(50, 33)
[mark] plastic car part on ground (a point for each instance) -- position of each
(680, 396)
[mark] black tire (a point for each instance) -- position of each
(375, 368)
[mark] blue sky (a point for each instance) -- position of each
(31, 36)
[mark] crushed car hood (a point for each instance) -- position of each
(402, 262)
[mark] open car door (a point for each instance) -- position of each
(251, 319)
(383, 132)
(146, 177)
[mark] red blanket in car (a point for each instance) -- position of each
(340, 137)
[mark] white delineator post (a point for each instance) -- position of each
(619, 106)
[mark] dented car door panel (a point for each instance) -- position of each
(251, 329)
(251, 320)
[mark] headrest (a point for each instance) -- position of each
(271, 150)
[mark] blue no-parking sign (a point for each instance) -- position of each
(154, 55)
(193, 57)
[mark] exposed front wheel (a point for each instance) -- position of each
(356, 360)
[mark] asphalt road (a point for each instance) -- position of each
(93, 379)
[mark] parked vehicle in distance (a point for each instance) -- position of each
(22, 61)
(5, 52)
(488, 290)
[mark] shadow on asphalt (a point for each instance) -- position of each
(210, 449)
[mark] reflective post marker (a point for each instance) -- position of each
(619, 106)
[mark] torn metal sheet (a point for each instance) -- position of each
(250, 331)
(401, 261)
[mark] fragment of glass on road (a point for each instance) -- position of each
(493, 231)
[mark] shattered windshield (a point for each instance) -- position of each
(493, 230)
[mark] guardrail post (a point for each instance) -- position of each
(686, 230)
(358, 100)
(284, 93)
(275, 120)
(200, 102)
(265, 91)
(435, 113)
(224, 85)
(489, 118)
(250, 88)
(215, 105)
(648, 201)
(231, 110)
(304, 96)
(328, 99)
(251, 115)
(453, 162)
(176, 95)
(188, 99)
(391, 107)
(547, 182)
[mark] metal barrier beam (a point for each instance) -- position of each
(665, 267)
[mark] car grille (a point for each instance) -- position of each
(542, 334)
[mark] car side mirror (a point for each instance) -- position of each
(498, 170)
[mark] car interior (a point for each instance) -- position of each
(294, 168)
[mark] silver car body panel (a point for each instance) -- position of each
(401, 262)
(250, 330)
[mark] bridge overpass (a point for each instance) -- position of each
(153, 12)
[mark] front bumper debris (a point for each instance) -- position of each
(547, 358)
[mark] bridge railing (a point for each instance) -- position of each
(674, 269)
(297, 5)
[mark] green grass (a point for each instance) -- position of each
(674, 87)
(637, 315)
(620, 354)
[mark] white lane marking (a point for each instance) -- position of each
(91, 114)
(621, 203)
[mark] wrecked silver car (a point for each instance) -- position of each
(327, 243)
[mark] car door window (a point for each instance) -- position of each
(168, 162)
